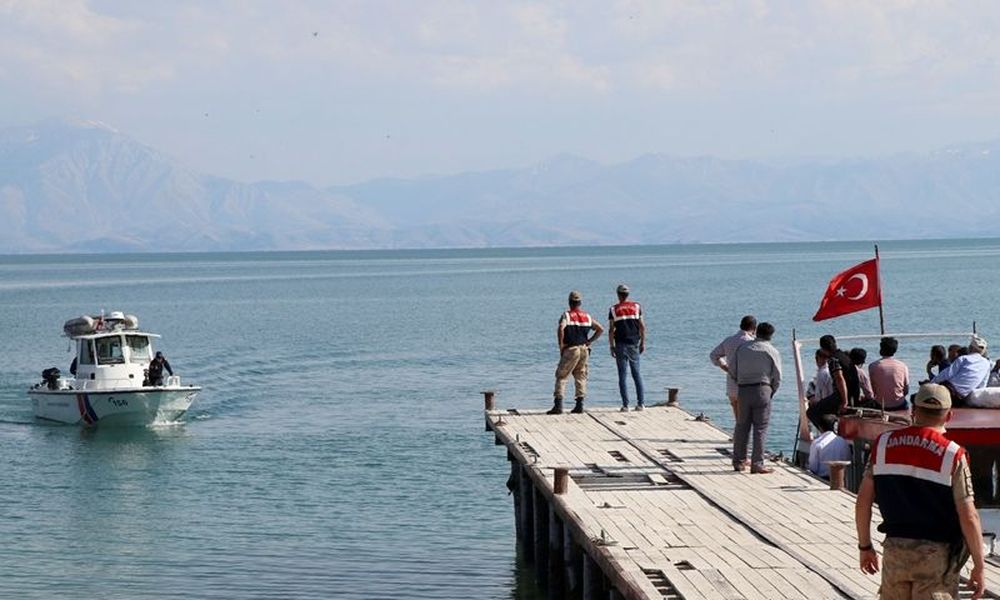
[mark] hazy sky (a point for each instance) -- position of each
(335, 92)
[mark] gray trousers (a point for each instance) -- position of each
(755, 411)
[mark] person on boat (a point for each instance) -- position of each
(822, 384)
(994, 380)
(858, 358)
(956, 350)
(573, 335)
(757, 368)
(846, 386)
(923, 487)
(966, 373)
(938, 360)
(890, 376)
(156, 367)
(828, 446)
(627, 336)
(722, 356)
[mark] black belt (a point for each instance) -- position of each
(750, 385)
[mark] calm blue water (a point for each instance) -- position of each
(337, 448)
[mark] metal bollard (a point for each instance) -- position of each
(837, 468)
(672, 396)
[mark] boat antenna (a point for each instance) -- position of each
(878, 273)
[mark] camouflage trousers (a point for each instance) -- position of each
(919, 569)
(573, 360)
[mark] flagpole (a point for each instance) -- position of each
(878, 272)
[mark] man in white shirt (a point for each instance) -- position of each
(722, 357)
(822, 384)
(828, 446)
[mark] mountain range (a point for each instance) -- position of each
(74, 186)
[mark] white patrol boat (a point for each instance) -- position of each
(110, 378)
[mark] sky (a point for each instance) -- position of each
(335, 92)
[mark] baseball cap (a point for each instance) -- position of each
(575, 296)
(933, 396)
(622, 288)
(977, 344)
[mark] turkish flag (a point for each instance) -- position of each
(855, 289)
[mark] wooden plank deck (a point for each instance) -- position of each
(654, 503)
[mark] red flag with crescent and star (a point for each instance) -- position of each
(855, 289)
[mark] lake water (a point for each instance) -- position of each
(337, 448)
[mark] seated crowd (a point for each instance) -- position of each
(843, 382)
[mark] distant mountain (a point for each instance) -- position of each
(660, 199)
(82, 186)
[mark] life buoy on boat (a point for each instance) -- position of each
(80, 326)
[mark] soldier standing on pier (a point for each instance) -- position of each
(923, 487)
(627, 336)
(574, 339)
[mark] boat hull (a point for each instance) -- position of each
(968, 426)
(113, 407)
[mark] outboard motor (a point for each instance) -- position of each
(51, 377)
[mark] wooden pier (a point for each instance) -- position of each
(647, 505)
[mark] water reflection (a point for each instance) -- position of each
(525, 586)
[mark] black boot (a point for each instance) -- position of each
(579, 407)
(556, 407)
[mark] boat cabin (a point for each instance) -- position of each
(111, 352)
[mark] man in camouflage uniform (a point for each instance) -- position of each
(923, 487)
(574, 337)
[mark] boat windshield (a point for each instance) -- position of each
(86, 352)
(109, 350)
(139, 348)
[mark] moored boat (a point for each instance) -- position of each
(109, 382)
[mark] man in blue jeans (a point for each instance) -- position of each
(628, 341)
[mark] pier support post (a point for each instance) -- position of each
(557, 571)
(541, 538)
(489, 404)
(573, 559)
(515, 492)
(527, 492)
(593, 580)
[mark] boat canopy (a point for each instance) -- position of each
(94, 336)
